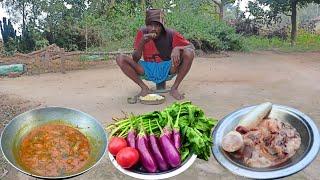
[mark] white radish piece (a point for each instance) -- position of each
(254, 117)
(232, 142)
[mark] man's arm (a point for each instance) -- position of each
(179, 44)
(190, 46)
(176, 52)
(137, 53)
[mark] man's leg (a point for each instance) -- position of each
(182, 70)
(132, 69)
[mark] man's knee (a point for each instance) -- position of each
(121, 59)
(188, 55)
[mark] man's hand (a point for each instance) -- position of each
(175, 56)
(137, 53)
(147, 37)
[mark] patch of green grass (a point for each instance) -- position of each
(305, 42)
(120, 45)
(94, 58)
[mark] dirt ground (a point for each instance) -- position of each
(218, 85)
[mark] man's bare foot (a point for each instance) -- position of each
(176, 94)
(144, 92)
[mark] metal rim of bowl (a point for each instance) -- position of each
(280, 173)
(52, 177)
(170, 174)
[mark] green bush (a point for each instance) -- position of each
(305, 42)
(262, 43)
(118, 29)
(10, 47)
(205, 32)
(41, 43)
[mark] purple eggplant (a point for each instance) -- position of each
(176, 132)
(131, 138)
(146, 157)
(170, 153)
(168, 127)
(156, 151)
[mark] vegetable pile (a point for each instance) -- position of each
(164, 139)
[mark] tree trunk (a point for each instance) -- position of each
(23, 17)
(34, 13)
(220, 4)
(112, 3)
(143, 4)
(86, 37)
(293, 22)
(238, 10)
(221, 12)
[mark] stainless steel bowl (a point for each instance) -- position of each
(307, 152)
(163, 175)
(22, 124)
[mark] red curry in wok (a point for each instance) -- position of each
(54, 150)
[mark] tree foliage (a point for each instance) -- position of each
(279, 7)
(112, 24)
(7, 30)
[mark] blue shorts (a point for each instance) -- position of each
(156, 72)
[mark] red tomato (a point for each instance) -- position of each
(116, 144)
(127, 157)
